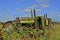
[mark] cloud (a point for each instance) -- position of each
(38, 10)
(33, 6)
(36, 6)
(17, 9)
(28, 9)
(22, 0)
(17, 1)
(45, 5)
(25, 10)
(42, 1)
(53, 12)
(9, 11)
(39, 0)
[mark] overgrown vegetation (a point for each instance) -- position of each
(24, 33)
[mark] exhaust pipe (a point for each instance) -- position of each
(45, 16)
(31, 14)
(34, 13)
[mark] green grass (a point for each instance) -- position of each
(26, 33)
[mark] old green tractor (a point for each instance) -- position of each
(37, 22)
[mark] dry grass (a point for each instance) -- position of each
(31, 34)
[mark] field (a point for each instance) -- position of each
(24, 33)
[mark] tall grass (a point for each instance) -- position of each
(24, 33)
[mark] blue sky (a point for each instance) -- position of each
(9, 9)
